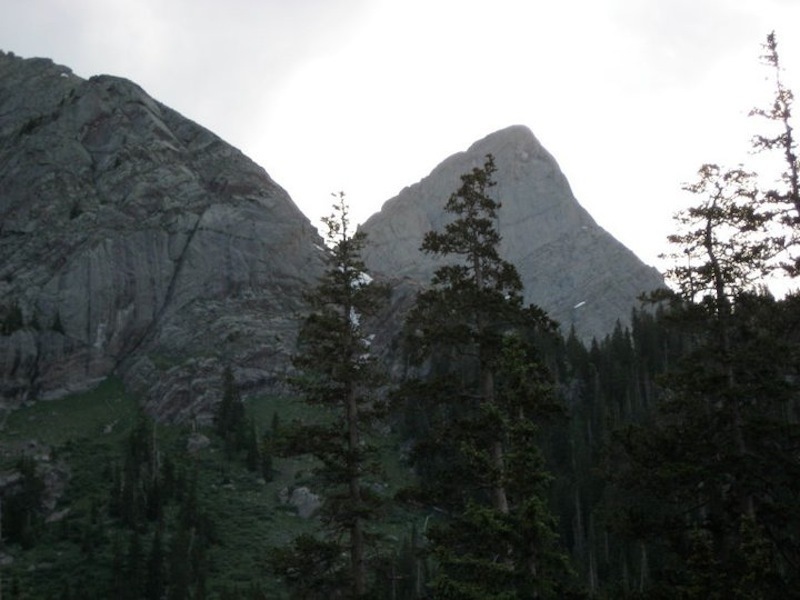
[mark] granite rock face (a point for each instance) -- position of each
(569, 265)
(133, 241)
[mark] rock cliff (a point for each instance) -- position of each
(569, 265)
(133, 241)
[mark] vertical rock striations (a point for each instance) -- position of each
(134, 241)
(569, 265)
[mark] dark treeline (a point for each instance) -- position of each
(683, 439)
(655, 496)
(674, 467)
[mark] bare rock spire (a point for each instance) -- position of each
(569, 265)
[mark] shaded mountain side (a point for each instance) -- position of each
(569, 265)
(132, 240)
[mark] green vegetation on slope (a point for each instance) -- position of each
(86, 438)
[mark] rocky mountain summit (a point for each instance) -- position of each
(569, 265)
(133, 241)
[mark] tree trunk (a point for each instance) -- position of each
(723, 321)
(356, 532)
(499, 497)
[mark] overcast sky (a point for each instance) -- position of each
(368, 96)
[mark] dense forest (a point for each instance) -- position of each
(510, 460)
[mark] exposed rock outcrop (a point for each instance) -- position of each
(569, 265)
(302, 499)
(134, 241)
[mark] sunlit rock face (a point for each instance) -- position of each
(135, 242)
(569, 265)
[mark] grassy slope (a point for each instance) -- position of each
(87, 432)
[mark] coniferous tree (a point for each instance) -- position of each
(22, 514)
(486, 390)
(117, 583)
(723, 248)
(133, 570)
(265, 453)
(784, 202)
(703, 481)
(180, 568)
(136, 491)
(311, 568)
(154, 586)
(229, 420)
(253, 449)
(337, 373)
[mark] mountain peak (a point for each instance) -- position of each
(134, 241)
(569, 265)
(517, 136)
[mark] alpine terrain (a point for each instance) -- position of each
(569, 265)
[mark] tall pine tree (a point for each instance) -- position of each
(785, 199)
(712, 483)
(484, 393)
(337, 373)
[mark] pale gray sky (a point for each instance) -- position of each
(367, 96)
